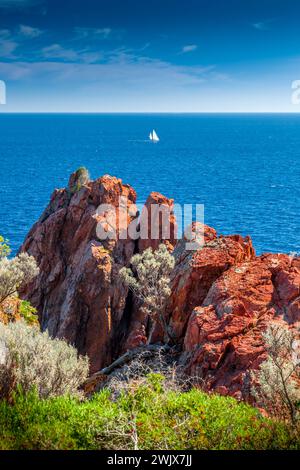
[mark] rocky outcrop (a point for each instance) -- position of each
(196, 271)
(78, 293)
(223, 341)
(223, 296)
(158, 222)
(157, 225)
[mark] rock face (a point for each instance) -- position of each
(223, 296)
(159, 226)
(196, 271)
(159, 223)
(78, 293)
(223, 339)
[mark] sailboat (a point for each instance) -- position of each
(153, 136)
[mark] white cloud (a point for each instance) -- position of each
(56, 51)
(4, 33)
(189, 48)
(7, 47)
(29, 31)
(132, 70)
(102, 33)
(263, 25)
(260, 26)
(146, 83)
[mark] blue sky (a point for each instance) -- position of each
(149, 56)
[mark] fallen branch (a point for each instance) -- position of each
(100, 376)
(149, 350)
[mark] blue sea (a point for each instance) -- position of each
(244, 168)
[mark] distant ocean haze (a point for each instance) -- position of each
(245, 169)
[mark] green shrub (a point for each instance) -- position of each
(30, 359)
(28, 313)
(145, 418)
(4, 248)
(79, 179)
(149, 279)
(16, 272)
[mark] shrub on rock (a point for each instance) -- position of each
(149, 280)
(14, 273)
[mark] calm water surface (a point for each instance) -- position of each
(245, 169)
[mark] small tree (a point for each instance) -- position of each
(14, 273)
(149, 279)
(277, 382)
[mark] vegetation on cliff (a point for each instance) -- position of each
(15, 272)
(78, 179)
(277, 381)
(149, 280)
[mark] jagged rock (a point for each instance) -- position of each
(195, 272)
(78, 293)
(159, 221)
(223, 296)
(158, 216)
(223, 341)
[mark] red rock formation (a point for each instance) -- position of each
(196, 271)
(222, 299)
(158, 223)
(157, 218)
(223, 341)
(78, 293)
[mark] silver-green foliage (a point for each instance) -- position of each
(15, 272)
(33, 359)
(149, 279)
(277, 381)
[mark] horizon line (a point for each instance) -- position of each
(150, 112)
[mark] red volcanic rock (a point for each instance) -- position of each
(222, 296)
(78, 293)
(223, 341)
(157, 223)
(286, 280)
(196, 271)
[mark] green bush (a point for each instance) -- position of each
(4, 248)
(79, 179)
(145, 418)
(16, 272)
(28, 313)
(149, 280)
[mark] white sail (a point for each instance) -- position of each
(155, 137)
(150, 136)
